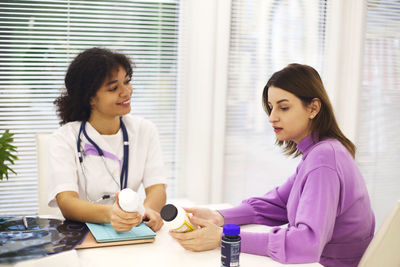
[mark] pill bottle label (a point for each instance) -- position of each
(185, 227)
(230, 252)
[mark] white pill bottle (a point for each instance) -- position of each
(176, 218)
(129, 201)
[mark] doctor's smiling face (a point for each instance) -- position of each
(290, 118)
(113, 99)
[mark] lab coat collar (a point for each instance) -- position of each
(97, 138)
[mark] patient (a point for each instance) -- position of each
(322, 213)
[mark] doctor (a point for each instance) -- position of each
(100, 148)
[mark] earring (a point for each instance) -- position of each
(312, 117)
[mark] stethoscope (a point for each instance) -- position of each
(124, 172)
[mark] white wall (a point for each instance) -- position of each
(344, 46)
(205, 43)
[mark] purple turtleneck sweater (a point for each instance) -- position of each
(325, 204)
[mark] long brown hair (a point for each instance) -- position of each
(304, 82)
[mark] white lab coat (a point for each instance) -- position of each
(65, 172)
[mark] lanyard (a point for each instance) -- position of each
(124, 171)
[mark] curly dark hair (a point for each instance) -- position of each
(84, 77)
(304, 82)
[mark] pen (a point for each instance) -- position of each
(25, 222)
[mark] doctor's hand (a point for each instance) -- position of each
(209, 215)
(121, 220)
(153, 219)
(207, 237)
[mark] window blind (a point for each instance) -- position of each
(379, 127)
(39, 38)
(265, 37)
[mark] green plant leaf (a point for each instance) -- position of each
(7, 154)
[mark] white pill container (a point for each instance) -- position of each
(176, 219)
(129, 201)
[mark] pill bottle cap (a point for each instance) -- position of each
(231, 229)
(169, 212)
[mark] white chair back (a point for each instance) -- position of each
(384, 249)
(42, 149)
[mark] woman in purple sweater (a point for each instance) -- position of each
(322, 213)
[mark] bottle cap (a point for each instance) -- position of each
(169, 212)
(231, 229)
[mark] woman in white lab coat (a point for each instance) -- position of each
(100, 148)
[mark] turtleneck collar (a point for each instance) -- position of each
(305, 144)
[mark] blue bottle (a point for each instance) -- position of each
(230, 246)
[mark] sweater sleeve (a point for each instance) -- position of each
(269, 209)
(305, 240)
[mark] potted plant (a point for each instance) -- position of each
(7, 154)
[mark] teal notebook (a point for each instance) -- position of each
(105, 232)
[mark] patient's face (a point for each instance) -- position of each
(289, 117)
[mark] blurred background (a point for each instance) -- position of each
(200, 68)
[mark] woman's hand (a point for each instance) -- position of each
(207, 237)
(209, 215)
(153, 219)
(121, 220)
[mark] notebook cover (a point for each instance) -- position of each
(106, 233)
(90, 242)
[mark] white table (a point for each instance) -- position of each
(166, 252)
